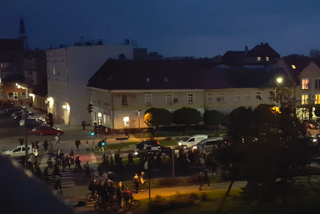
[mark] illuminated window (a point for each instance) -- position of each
(304, 99)
(53, 71)
(305, 83)
(220, 97)
(124, 99)
(169, 98)
(258, 96)
(267, 58)
(148, 99)
(317, 84)
(247, 96)
(293, 66)
(209, 98)
(190, 98)
(126, 121)
(258, 58)
(317, 99)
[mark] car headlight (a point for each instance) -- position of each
(135, 153)
(180, 144)
(195, 147)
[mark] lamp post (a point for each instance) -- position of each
(25, 137)
(139, 111)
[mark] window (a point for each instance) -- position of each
(258, 58)
(236, 97)
(169, 98)
(317, 84)
(220, 97)
(10, 95)
(209, 98)
(124, 99)
(317, 99)
(247, 96)
(259, 96)
(190, 98)
(305, 83)
(267, 59)
(148, 99)
(126, 121)
(304, 99)
(53, 71)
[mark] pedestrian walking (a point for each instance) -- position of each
(37, 144)
(87, 171)
(201, 180)
(45, 145)
(67, 161)
(57, 139)
(87, 146)
(57, 185)
(136, 182)
(206, 177)
(83, 125)
(77, 143)
(50, 146)
(130, 158)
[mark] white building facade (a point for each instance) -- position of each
(68, 71)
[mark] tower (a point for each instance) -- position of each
(22, 33)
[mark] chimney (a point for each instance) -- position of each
(245, 50)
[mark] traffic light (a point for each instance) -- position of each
(90, 108)
(103, 143)
(92, 133)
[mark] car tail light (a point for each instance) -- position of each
(158, 143)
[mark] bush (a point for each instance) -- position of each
(169, 181)
(168, 139)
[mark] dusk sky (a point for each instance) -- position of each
(199, 28)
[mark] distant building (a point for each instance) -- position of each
(68, 71)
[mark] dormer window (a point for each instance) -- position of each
(147, 80)
(267, 59)
(258, 58)
(293, 67)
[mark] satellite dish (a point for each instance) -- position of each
(175, 100)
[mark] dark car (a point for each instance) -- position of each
(153, 146)
(12, 109)
(17, 115)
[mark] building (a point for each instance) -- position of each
(121, 91)
(68, 71)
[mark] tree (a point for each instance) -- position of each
(239, 122)
(157, 116)
(314, 53)
(187, 116)
(213, 117)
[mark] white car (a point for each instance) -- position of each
(20, 151)
(192, 141)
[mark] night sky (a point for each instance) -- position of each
(199, 28)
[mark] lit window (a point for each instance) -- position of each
(305, 83)
(247, 96)
(126, 121)
(267, 58)
(148, 99)
(317, 99)
(124, 99)
(209, 98)
(220, 97)
(169, 98)
(53, 71)
(304, 99)
(236, 97)
(190, 98)
(293, 66)
(317, 84)
(258, 58)
(258, 96)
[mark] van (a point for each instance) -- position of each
(20, 151)
(192, 141)
(208, 145)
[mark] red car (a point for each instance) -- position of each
(47, 130)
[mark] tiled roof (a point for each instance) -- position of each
(263, 50)
(144, 75)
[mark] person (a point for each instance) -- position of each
(67, 161)
(77, 143)
(57, 184)
(56, 170)
(77, 162)
(119, 192)
(142, 180)
(50, 146)
(49, 163)
(136, 182)
(87, 146)
(93, 187)
(201, 180)
(71, 154)
(57, 139)
(130, 158)
(37, 144)
(127, 195)
(83, 125)
(87, 171)
(46, 174)
(206, 177)
(45, 145)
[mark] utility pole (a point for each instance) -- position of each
(25, 137)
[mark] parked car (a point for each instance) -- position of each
(17, 115)
(207, 145)
(32, 122)
(12, 109)
(47, 130)
(153, 146)
(20, 151)
(189, 143)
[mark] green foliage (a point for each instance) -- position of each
(187, 116)
(239, 122)
(169, 181)
(157, 117)
(213, 117)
